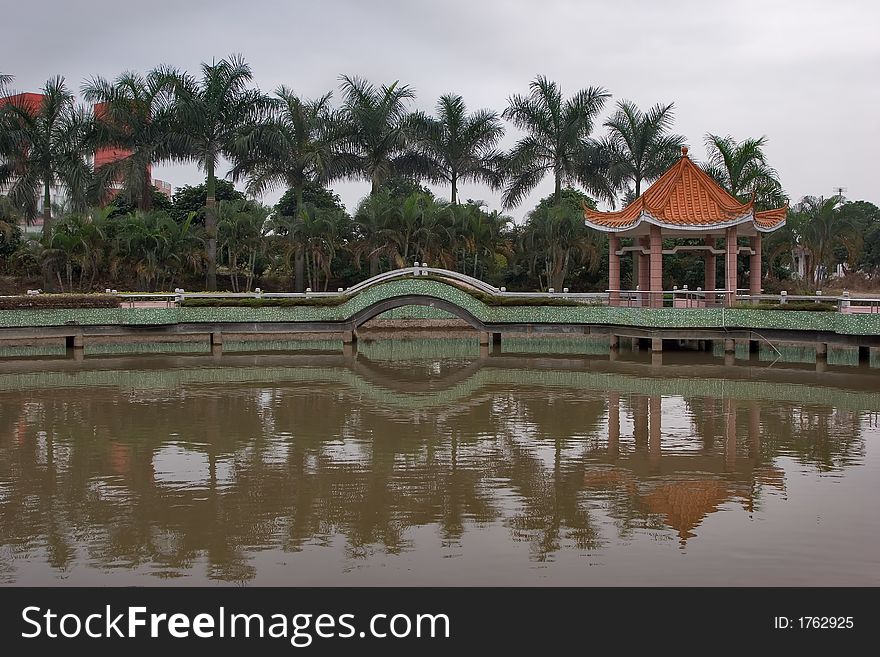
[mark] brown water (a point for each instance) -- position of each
(421, 463)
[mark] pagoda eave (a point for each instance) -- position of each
(640, 226)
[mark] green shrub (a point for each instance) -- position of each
(809, 306)
(264, 302)
(38, 301)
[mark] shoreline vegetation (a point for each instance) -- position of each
(115, 229)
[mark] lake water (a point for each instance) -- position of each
(423, 462)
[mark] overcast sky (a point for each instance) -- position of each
(802, 72)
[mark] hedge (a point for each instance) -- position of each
(263, 302)
(37, 301)
(810, 306)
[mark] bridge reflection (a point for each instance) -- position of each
(192, 465)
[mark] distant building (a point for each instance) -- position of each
(103, 156)
(164, 187)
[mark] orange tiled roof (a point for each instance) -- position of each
(685, 196)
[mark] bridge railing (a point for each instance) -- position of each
(674, 298)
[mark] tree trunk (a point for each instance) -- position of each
(374, 265)
(147, 192)
(47, 209)
(638, 187)
(298, 258)
(211, 228)
(454, 189)
(557, 192)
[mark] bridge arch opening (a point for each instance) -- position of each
(376, 309)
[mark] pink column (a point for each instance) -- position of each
(613, 270)
(656, 268)
(640, 420)
(730, 434)
(613, 424)
(709, 270)
(654, 434)
(644, 268)
(755, 265)
(730, 265)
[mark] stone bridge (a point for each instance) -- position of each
(489, 310)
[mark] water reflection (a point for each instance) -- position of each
(409, 468)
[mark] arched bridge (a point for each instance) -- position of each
(484, 307)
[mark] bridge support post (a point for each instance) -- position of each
(349, 337)
(216, 338)
(729, 346)
(613, 342)
(485, 338)
(349, 350)
(657, 345)
(74, 341)
(821, 351)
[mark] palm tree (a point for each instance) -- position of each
(556, 239)
(371, 219)
(741, 168)
(457, 146)
(211, 115)
(639, 144)
(481, 234)
(135, 115)
(821, 228)
(240, 229)
(5, 80)
(43, 147)
(557, 140)
(301, 142)
(377, 121)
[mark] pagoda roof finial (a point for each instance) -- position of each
(684, 151)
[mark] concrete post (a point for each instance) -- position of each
(729, 346)
(216, 338)
(613, 270)
(485, 338)
(657, 344)
(349, 337)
